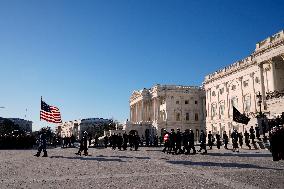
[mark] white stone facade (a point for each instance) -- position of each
(167, 107)
(239, 84)
(77, 127)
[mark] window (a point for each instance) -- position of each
(222, 109)
(234, 102)
(247, 103)
(187, 116)
(177, 116)
(234, 87)
(257, 80)
(177, 102)
(213, 93)
(186, 102)
(213, 110)
(196, 117)
(222, 90)
(195, 102)
(245, 83)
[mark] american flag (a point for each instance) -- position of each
(50, 113)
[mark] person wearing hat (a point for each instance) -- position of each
(42, 143)
(202, 141)
(191, 142)
(178, 149)
(172, 138)
(234, 137)
(83, 144)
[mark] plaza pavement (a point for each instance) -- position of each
(146, 168)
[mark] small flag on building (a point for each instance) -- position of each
(50, 113)
(240, 118)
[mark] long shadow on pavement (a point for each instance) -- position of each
(240, 154)
(232, 165)
(125, 157)
(87, 158)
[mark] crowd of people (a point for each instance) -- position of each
(17, 141)
(123, 141)
(179, 143)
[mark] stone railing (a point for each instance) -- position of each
(231, 68)
(274, 94)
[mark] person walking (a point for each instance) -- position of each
(225, 140)
(210, 140)
(42, 143)
(178, 149)
(252, 135)
(234, 137)
(202, 141)
(83, 144)
(218, 141)
(166, 142)
(241, 139)
(191, 142)
(247, 141)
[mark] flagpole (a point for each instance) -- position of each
(40, 106)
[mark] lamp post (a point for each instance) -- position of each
(261, 115)
(259, 96)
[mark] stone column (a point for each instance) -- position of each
(262, 83)
(242, 93)
(254, 93)
(136, 112)
(273, 74)
(142, 110)
(228, 100)
(130, 114)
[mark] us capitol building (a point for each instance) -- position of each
(254, 82)
(167, 107)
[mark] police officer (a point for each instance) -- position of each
(42, 143)
(172, 141)
(235, 137)
(218, 141)
(225, 140)
(202, 141)
(252, 135)
(185, 141)
(210, 140)
(106, 141)
(246, 134)
(125, 141)
(191, 142)
(178, 149)
(83, 144)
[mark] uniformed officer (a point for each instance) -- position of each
(202, 141)
(42, 143)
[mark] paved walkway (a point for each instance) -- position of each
(146, 168)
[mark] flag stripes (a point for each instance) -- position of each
(50, 113)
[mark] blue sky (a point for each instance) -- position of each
(86, 57)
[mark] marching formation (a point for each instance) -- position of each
(122, 141)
